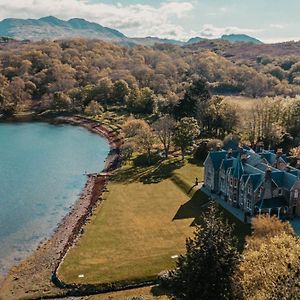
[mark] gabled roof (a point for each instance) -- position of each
(227, 163)
(217, 158)
(238, 169)
(289, 180)
(256, 180)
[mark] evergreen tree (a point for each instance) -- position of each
(206, 271)
(195, 99)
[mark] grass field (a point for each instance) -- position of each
(142, 223)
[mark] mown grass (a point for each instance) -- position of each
(142, 223)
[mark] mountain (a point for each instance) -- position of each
(50, 28)
(195, 40)
(242, 38)
(151, 41)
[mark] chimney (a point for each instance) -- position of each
(260, 147)
(244, 157)
(279, 152)
(268, 171)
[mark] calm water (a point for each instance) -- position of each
(42, 170)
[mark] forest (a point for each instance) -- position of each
(92, 76)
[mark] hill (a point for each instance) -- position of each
(242, 38)
(51, 28)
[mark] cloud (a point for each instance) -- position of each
(211, 31)
(133, 20)
(277, 26)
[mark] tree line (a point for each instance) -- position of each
(70, 74)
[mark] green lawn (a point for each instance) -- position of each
(143, 222)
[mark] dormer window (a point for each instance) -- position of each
(280, 192)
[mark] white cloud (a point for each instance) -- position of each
(277, 26)
(211, 31)
(133, 20)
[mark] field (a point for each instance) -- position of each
(141, 225)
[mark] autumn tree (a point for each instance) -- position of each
(61, 101)
(120, 91)
(141, 101)
(267, 255)
(132, 127)
(164, 128)
(145, 141)
(206, 270)
(185, 132)
(93, 109)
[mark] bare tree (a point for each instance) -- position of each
(164, 128)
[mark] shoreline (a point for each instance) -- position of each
(32, 278)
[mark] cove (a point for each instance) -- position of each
(42, 173)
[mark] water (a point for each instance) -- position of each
(42, 170)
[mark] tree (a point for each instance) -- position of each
(164, 128)
(120, 91)
(132, 127)
(206, 270)
(139, 132)
(185, 132)
(127, 149)
(61, 101)
(267, 255)
(93, 109)
(141, 101)
(145, 141)
(194, 101)
(102, 92)
(287, 285)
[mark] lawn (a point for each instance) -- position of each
(142, 223)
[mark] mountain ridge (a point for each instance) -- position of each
(53, 28)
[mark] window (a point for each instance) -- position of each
(249, 203)
(296, 194)
(242, 186)
(249, 189)
(235, 183)
(230, 181)
(280, 192)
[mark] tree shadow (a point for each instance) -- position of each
(161, 172)
(141, 171)
(193, 208)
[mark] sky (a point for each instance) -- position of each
(268, 20)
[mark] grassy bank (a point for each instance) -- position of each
(140, 227)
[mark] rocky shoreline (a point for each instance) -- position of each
(32, 278)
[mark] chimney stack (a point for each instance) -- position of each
(279, 152)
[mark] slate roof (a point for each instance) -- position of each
(254, 167)
(227, 163)
(217, 157)
(272, 203)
